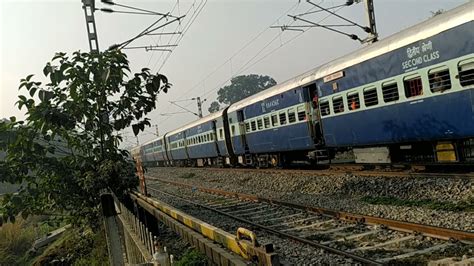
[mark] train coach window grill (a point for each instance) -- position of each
(413, 87)
(266, 122)
(390, 92)
(291, 115)
(338, 104)
(301, 113)
(253, 125)
(370, 97)
(247, 127)
(221, 134)
(324, 107)
(259, 124)
(466, 72)
(282, 116)
(274, 120)
(353, 101)
(439, 80)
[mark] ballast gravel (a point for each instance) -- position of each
(342, 191)
(290, 252)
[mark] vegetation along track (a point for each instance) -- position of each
(362, 238)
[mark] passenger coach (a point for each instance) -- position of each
(407, 98)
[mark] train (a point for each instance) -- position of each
(406, 98)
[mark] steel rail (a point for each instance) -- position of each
(427, 230)
(278, 233)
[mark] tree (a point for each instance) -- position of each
(437, 12)
(214, 107)
(241, 87)
(66, 151)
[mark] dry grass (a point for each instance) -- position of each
(15, 240)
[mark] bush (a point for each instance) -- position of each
(15, 240)
(192, 257)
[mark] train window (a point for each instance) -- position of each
(232, 130)
(266, 121)
(301, 113)
(221, 134)
(353, 101)
(390, 92)
(247, 127)
(370, 97)
(212, 136)
(291, 115)
(282, 116)
(274, 120)
(413, 87)
(439, 80)
(338, 104)
(324, 107)
(253, 125)
(466, 72)
(259, 124)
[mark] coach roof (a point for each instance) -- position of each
(428, 28)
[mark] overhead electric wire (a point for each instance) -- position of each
(109, 2)
(341, 17)
(236, 53)
(266, 55)
(240, 50)
(159, 39)
(186, 28)
(171, 38)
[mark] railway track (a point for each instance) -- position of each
(365, 239)
(351, 169)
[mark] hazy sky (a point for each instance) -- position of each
(209, 53)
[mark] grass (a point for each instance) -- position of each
(462, 206)
(15, 241)
(76, 247)
(187, 175)
(192, 257)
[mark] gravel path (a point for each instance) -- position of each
(343, 192)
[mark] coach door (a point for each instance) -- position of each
(315, 115)
(243, 132)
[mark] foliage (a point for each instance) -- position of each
(66, 151)
(76, 248)
(462, 206)
(192, 257)
(214, 107)
(241, 87)
(437, 12)
(15, 240)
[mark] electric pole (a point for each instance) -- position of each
(89, 8)
(199, 103)
(369, 8)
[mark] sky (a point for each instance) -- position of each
(226, 38)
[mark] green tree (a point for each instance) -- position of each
(437, 12)
(241, 87)
(66, 151)
(214, 107)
